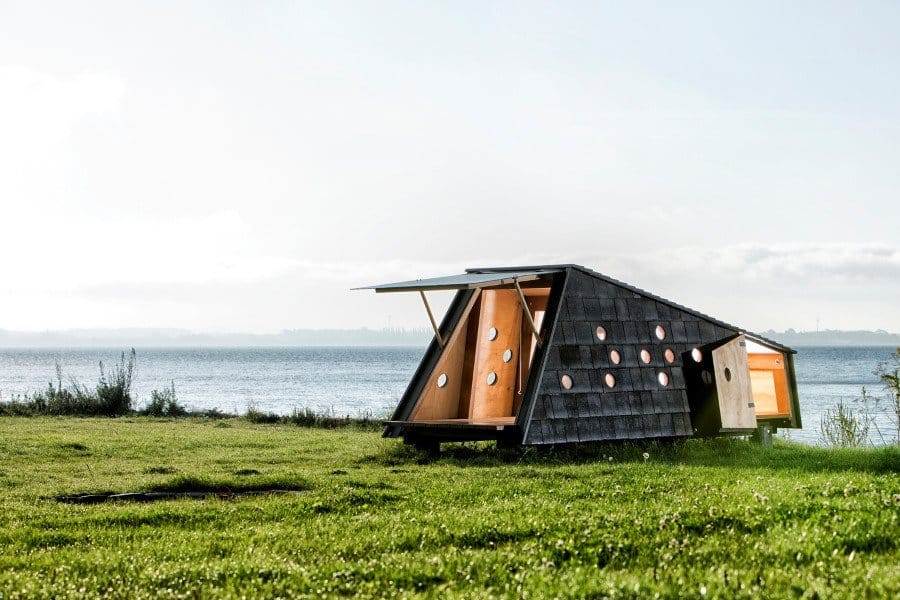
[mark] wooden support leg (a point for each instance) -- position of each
(762, 435)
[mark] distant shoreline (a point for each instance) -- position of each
(173, 338)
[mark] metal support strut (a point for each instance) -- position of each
(527, 312)
(437, 332)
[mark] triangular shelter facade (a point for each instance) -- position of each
(557, 354)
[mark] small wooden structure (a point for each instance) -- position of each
(559, 353)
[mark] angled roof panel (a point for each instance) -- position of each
(462, 281)
(637, 290)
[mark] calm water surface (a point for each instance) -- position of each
(355, 380)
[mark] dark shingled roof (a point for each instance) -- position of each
(637, 290)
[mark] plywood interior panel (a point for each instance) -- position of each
(537, 306)
(443, 402)
(769, 382)
(500, 310)
(735, 393)
(764, 396)
(471, 333)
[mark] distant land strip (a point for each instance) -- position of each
(168, 338)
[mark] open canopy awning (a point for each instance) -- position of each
(463, 281)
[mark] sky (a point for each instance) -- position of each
(239, 166)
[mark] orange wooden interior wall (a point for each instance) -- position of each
(769, 381)
(469, 357)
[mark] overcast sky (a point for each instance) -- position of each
(238, 166)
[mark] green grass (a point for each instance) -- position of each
(372, 518)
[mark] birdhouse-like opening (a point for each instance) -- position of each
(735, 384)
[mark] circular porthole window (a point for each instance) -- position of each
(645, 357)
(706, 376)
(566, 382)
(615, 357)
(697, 355)
(727, 374)
(442, 380)
(507, 355)
(492, 378)
(601, 333)
(663, 378)
(610, 380)
(670, 355)
(492, 334)
(660, 332)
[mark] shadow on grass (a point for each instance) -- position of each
(184, 486)
(733, 453)
(188, 483)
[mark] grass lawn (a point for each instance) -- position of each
(368, 517)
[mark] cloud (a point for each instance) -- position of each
(40, 115)
(826, 262)
(92, 253)
(820, 262)
(39, 110)
(837, 262)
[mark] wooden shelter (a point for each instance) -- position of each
(559, 353)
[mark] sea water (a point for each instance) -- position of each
(370, 380)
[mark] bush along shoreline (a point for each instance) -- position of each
(852, 426)
(112, 397)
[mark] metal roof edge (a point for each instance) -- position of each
(465, 280)
(549, 268)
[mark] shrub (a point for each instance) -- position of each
(114, 388)
(18, 407)
(845, 427)
(307, 417)
(842, 427)
(110, 398)
(257, 416)
(890, 376)
(164, 403)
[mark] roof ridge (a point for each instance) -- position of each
(681, 307)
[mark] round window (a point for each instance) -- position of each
(660, 332)
(697, 355)
(492, 334)
(566, 382)
(610, 380)
(442, 380)
(615, 357)
(727, 374)
(706, 376)
(492, 378)
(663, 378)
(645, 357)
(670, 355)
(507, 355)
(601, 333)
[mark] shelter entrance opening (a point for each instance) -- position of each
(486, 361)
